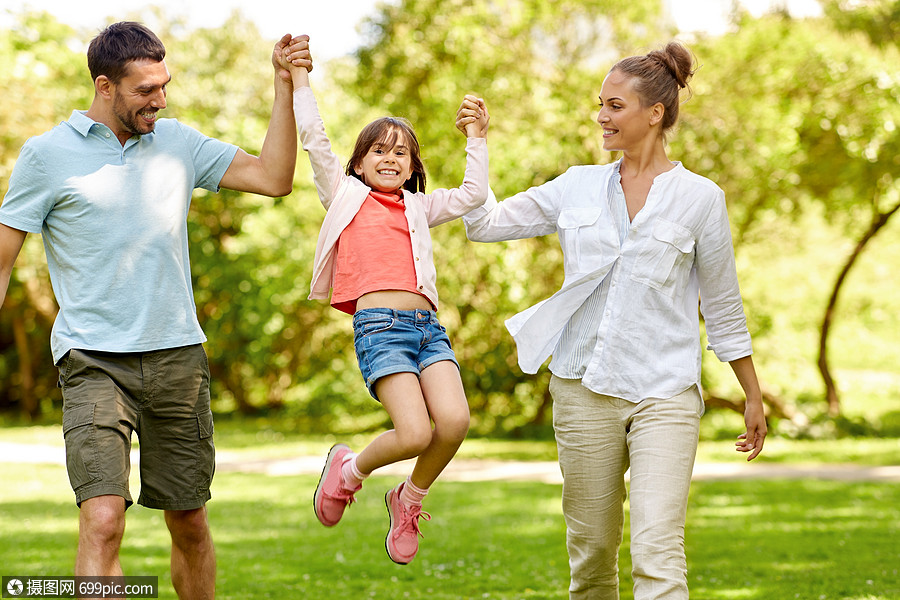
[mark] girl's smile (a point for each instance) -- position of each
(385, 169)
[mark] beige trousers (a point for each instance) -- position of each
(599, 438)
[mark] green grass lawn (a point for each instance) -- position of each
(760, 540)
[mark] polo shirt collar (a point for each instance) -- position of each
(80, 122)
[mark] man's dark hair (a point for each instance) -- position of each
(110, 52)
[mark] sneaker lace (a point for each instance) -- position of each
(343, 494)
(409, 521)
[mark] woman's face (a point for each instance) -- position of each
(625, 122)
(386, 169)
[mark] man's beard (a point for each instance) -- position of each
(131, 121)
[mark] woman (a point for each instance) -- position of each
(643, 240)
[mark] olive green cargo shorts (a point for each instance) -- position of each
(163, 396)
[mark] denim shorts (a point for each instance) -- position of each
(163, 397)
(392, 341)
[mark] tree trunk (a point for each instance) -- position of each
(26, 368)
(546, 403)
(831, 393)
(231, 379)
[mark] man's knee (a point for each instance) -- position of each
(102, 519)
(188, 527)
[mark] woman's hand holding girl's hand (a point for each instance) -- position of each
(472, 118)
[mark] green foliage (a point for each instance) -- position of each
(814, 120)
(43, 79)
(878, 19)
(796, 120)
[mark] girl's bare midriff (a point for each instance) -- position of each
(395, 299)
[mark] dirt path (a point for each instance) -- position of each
(468, 469)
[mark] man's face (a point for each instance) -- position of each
(139, 96)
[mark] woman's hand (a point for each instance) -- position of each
(754, 414)
(755, 419)
(472, 118)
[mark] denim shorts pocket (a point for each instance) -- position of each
(364, 326)
(81, 449)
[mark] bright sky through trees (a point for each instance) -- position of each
(327, 22)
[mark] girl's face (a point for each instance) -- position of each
(625, 122)
(386, 169)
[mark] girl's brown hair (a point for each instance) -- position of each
(659, 76)
(385, 132)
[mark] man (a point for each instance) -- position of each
(109, 189)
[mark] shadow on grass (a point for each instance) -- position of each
(803, 539)
(753, 540)
(485, 540)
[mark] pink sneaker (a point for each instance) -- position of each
(402, 541)
(331, 496)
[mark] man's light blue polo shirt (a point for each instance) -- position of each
(114, 225)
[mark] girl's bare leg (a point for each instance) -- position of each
(446, 402)
(412, 404)
(401, 395)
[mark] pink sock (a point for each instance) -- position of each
(411, 495)
(351, 474)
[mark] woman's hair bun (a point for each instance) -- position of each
(678, 60)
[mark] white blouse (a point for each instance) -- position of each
(643, 289)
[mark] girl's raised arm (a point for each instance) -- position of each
(327, 170)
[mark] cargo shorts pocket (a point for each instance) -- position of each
(81, 449)
(207, 454)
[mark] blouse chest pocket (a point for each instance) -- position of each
(588, 240)
(665, 257)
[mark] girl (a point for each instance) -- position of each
(374, 251)
(643, 240)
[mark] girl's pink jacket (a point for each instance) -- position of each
(342, 195)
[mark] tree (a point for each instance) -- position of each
(878, 19)
(791, 118)
(42, 76)
(818, 125)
